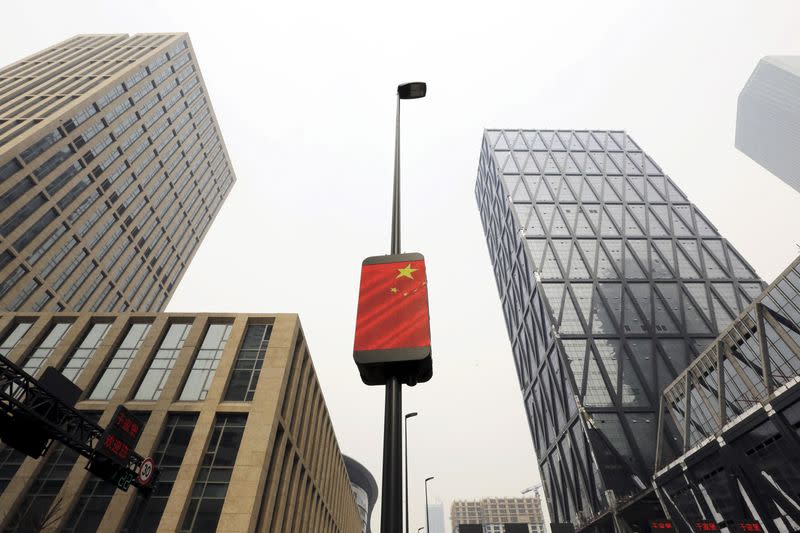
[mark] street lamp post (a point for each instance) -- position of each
(391, 521)
(427, 519)
(405, 434)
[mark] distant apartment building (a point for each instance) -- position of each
(112, 168)
(768, 117)
(235, 421)
(493, 513)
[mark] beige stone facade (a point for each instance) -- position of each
(493, 512)
(112, 167)
(288, 474)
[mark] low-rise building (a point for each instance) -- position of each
(493, 513)
(235, 421)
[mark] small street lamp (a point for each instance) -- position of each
(427, 519)
(405, 434)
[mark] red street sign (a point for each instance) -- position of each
(120, 436)
(146, 471)
(393, 336)
(750, 525)
(706, 526)
(661, 525)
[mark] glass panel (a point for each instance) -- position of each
(34, 509)
(205, 364)
(84, 352)
(109, 382)
(211, 486)
(161, 366)
(247, 367)
(14, 336)
(45, 349)
(168, 455)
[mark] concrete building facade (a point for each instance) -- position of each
(112, 167)
(493, 513)
(768, 117)
(235, 421)
(611, 283)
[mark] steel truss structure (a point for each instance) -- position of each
(25, 402)
(611, 283)
(737, 412)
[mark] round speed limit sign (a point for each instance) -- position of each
(146, 471)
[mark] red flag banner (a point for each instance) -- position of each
(393, 305)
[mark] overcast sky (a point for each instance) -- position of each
(305, 99)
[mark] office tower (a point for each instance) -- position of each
(365, 490)
(235, 420)
(611, 283)
(436, 517)
(739, 441)
(493, 513)
(768, 117)
(112, 167)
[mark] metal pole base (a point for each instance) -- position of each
(391, 496)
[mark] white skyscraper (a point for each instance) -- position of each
(768, 117)
(436, 517)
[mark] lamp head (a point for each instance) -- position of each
(428, 479)
(409, 415)
(410, 91)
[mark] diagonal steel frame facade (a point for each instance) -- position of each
(737, 410)
(611, 282)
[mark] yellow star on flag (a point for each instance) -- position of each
(393, 289)
(406, 272)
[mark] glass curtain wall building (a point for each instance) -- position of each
(611, 283)
(365, 490)
(737, 408)
(112, 167)
(240, 446)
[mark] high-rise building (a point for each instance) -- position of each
(768, 117)
(737, 408)
(365, 490)
(112, 167)
(611, 283)
(493, 513)
(235, 421)
(436, 517)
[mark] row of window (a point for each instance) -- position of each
(241, 387)
(39, 504)
(43, 145)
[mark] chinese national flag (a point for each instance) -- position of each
(393, 306)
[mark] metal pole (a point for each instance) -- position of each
(396, 188)
(405, 447)
(391, 517)
(427, 520)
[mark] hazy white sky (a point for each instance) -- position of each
(305, 98)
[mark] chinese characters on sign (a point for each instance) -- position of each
(120, 436)
(750, 526)
(660, 525)
(706, 526)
